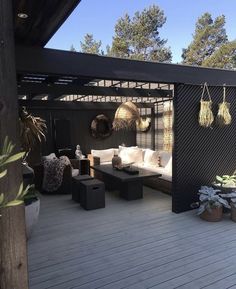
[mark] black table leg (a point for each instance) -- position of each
(131, 190)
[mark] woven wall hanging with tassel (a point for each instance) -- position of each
(205, 117)
(223, 115)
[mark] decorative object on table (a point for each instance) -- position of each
(101, 127)
(205, 117)
(32, 130)
(78, 153)
(116, 161)
(223, 115)
(211, 204)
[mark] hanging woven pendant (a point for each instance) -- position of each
(206, 116)
(223, 115)
(126, 116)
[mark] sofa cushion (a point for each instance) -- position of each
(164, 157)
(131, 155)
(168, 167)
(151, 158)
(104, 155)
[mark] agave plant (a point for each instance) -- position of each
(226, 180)
(231, 196)
(32, 129)
(209, 199)
(6, 157)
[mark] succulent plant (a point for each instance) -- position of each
(209, 199)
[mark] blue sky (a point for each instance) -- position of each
(99, 19)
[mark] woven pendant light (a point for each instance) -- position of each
(126, 116)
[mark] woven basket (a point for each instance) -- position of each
(126, 116)
(205, 117)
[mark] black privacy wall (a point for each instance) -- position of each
(199, 153)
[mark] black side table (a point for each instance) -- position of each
(76, 186)
(92, 194)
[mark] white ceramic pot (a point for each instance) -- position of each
(31, 216)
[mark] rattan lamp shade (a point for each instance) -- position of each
(126, 116)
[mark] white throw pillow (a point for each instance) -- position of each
(104, 155)
(168, 167)
(164, 158)
(123, 147)
(131, 155)
(151, 158)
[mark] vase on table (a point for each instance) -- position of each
(116, 161)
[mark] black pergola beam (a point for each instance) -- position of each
(63, 105)
(51, 61)
(59, 89)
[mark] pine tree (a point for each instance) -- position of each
(72, 48)
(89, 45)
(209, 36)
(138, 38)
(224, 57)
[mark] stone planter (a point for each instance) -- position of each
(31, 216)
(214, 216)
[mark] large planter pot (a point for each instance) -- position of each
(214, 216)
(233, 213)
(31, 216)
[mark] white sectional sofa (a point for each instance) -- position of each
(156, 161)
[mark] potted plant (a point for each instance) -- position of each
(32, 207)
(232, 200)
(211, 204)
(225, 183)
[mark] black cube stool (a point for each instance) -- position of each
(92, 194)
(76, 186)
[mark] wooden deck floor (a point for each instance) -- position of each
(138, 244)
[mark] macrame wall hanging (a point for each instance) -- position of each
(223, 115)
(205, 117)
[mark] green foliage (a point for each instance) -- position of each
(33, 129)
(226, 180)
(6, 157)
(209, 42)
(209, 199)
(224, 57)
(138, 38)
(89, 45)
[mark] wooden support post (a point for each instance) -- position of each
(13, 256)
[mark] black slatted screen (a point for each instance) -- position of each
(199, 153)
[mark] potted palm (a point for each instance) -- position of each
(211, 204)
(32, 132)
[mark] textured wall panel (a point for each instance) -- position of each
(199, 153)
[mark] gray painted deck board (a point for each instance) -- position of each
(138, 244)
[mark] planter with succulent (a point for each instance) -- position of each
(232, 200)
(225, 183)
(211, 204)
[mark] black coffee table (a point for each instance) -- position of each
(130, 186)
